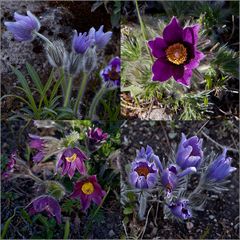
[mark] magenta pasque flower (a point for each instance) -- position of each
(88, 190)
(111, 73)
(220, 168)
(10, 166)
(180, 209)
(96, 137)
(70, 160)
(24, 26)
(46, 204)
(144, 169)
(189, 152)
(100, 38)
(176, 53)
(37, 143)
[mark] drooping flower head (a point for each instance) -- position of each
(36, 142)
(24, 26)
(88, 190)
(189, 152)
(46, 204)
(70, 160)
(10, 166)
(171, 175)
(81, 42)
(180, 209)
(111, 73)
(176, 53)
(96, 137)
(220, 168)
(100, 38)
(144, 169)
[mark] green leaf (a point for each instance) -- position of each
(66, 229)
(26, 88)
(6, 225)
(25, 215)
(128, 210)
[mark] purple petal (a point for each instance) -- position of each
(158, 46)
(185, 80)
(173, 32)
(190, 34)
(162, 70)
(196, 60)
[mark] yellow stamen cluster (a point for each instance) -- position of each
(176, 53)
(87, 188)
(142, 171)
(72, 158)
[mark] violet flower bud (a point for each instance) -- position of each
(73, 63)
(46, 204)
(90, 60)
(88, 190)
(70, 160)
(111, 73)
(220, 168)
(37, 143)
(144, 169)
(100, 38)
(81, 42)
(180, 209)
(10, 166)
(24, 27)
(189, 152)
(56, 53)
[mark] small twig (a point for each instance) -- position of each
(125, 230)
(202, 127)
(145, 225)
(218, 144)
(155, 218)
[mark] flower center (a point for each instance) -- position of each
(113, 75)
(87, 188)
(176, 53)
(72, 158)
(142, 171)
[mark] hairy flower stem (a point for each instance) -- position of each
(197, 190)
(81, 93)
(42, 37)
(143, 29)
(94, 104)
(63, 83)
(68, 93)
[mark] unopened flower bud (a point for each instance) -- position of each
(73, 63)
(90, 59)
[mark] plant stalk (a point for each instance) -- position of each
(95, 102)
(68, 93)
(43, 37)
(81, 93)
(143, 30)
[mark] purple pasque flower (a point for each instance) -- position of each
(81, 42)
(96, 137)
(70, 160)
(180, 209)
(220, 168)
(189, 152)
(24, 26)
(176, 53)
(46, 204)
(10, 165)
(171, 175)
(144, 169)
(111, 73)
(100, 38)
(37, 143)
(88, 190)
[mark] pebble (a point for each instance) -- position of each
(211, 217)
(111, 233)
(189, 225)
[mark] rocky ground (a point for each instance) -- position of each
(220, 220)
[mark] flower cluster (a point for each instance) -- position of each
(176, 53)
(69, 159)
(147, 173)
